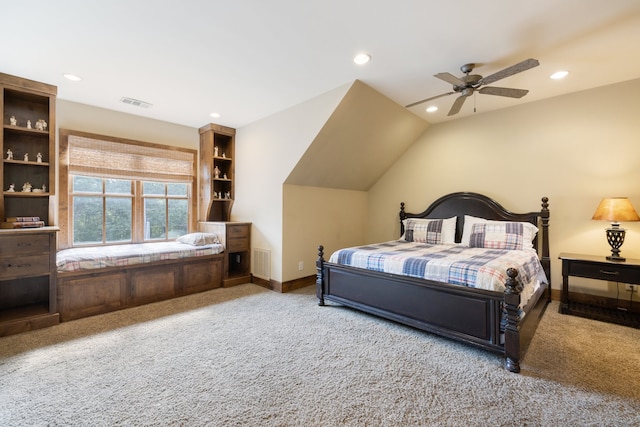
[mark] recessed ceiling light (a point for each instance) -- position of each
(215, 115)
(362, 58)
(73, 77)
(559, 75)
(432, 109)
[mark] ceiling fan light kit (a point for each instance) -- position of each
(468, 84)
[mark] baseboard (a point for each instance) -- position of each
(283, 287)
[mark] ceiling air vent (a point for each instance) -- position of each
(135, 102)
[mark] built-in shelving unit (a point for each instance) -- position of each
(28, 293)
(217, 172)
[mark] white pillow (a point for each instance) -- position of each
(198, 239)
(529, 230)
(448, 232)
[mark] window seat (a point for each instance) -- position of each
(95, 280)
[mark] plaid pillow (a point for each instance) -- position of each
(497, 235)
(424, 231)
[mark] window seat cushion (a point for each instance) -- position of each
(95, 257)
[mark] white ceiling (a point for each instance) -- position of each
(248, 59)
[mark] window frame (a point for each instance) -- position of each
(65, 206)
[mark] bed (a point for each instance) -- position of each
(500, 317)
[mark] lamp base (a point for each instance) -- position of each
(615, 237)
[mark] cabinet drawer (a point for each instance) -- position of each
(237, 245)
(24, 245)
(237, 231)
(34, 265)
(608, 272)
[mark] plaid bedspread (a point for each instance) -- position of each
(89, 258)
(460, 265)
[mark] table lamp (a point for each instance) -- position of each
(615, 210)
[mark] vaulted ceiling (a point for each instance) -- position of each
(249, 59)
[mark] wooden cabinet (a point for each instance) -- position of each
(217, 172)
(28, 295)
(600, 268)
(236, 238)
(27, 144)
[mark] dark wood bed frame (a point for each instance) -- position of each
(464, 314)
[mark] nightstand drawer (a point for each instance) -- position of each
(237, 231)
(15, 246)
(25, 266)
(237, 245)
(612, 273)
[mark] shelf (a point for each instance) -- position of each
(24, 194)
(23, 163)
(22, 129)
(604, 314)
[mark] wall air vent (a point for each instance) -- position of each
(135, 102)
(262, 263)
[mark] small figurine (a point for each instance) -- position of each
(9, 154)
(227, 195)
(216, 172)
(44, 188)
(44, 125)
(225, 176)
(224, 155)
(215, 151)
(28, 124)
(39, 157)
(26, 188)
(26, 157)
(13, 121)
(12, 188)
(39, 124)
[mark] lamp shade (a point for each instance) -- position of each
(616, 209)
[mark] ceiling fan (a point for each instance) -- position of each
(469, 83)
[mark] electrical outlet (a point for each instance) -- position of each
(300, 265)
(631, 288)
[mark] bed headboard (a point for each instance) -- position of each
(467, 203)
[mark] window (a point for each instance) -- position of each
(118, 191)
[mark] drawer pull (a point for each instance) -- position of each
(24, 245)
(20, 265)
(611, 273)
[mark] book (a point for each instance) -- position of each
(22, 218)
(22, 224)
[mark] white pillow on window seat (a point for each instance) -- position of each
(198, 239)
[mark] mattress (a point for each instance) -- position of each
(94, 257)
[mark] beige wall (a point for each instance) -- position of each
(86, 118)
(574, 149)
(319, 216)
(266, 152)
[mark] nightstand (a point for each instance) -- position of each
(599, 268)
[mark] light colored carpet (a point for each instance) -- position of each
(245, 356)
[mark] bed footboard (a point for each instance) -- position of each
(468, 315)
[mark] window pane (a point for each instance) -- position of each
(178, 217)
(83, 184)
(117, 186)
(153, 188)
(118, 213)
(87, 219)
(155, 217)
(177, 189)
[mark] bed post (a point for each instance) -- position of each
(403, 216)
(511, 314)
(546, 260)
(320, 276)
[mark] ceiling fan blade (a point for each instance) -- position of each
(429, 99)
(457, 105)
(450, 78)
(503, 91)
(509, 71)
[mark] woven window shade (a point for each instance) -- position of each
(110, 159)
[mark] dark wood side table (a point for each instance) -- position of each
(599, 268)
